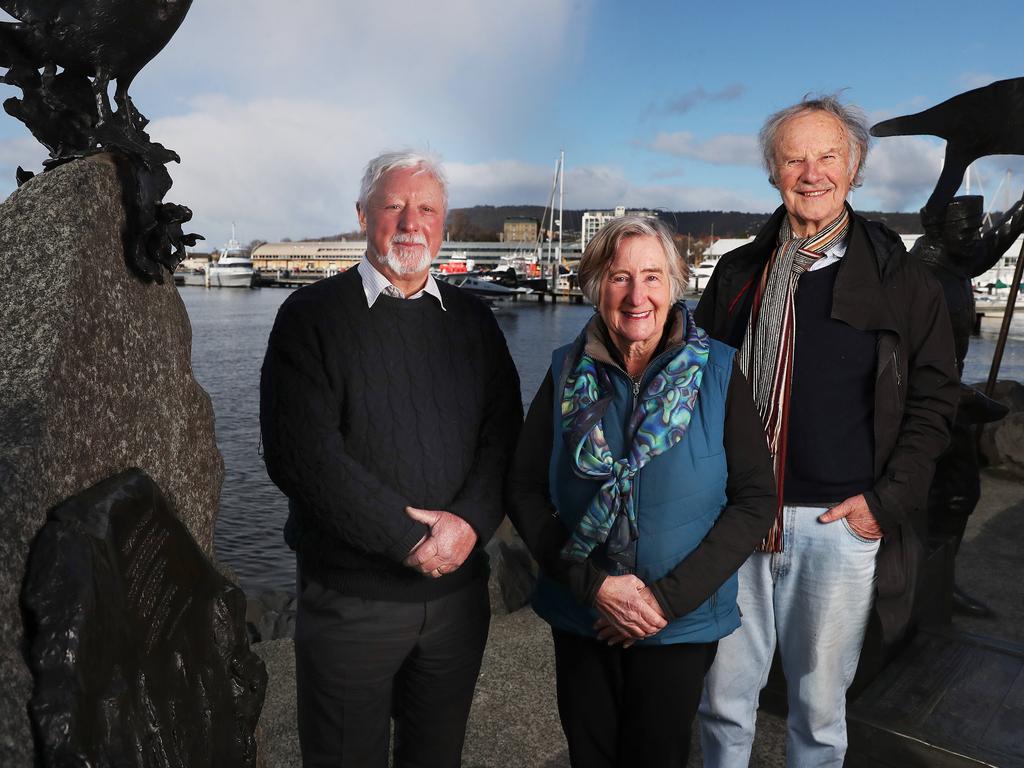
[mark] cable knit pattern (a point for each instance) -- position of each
(366, 411)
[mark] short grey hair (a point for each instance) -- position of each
(601, 249)
(850, 116)
(386, 162)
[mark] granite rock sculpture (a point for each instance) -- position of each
(96, 374)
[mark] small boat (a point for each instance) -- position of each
(700, 274)
(457, 264)
(234, 267)
(477, 285)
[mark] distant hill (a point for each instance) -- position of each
(484, 223)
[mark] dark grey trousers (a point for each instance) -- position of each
(359, 662)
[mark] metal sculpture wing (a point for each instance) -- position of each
(64, 54)
(976, 123)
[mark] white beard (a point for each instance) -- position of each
(408, 261)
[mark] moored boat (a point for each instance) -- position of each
(476, 285)
(234, 267)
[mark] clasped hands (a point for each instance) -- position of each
(445, 548)
(629, 611)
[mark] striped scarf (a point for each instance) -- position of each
(766, 355)
(658, 422)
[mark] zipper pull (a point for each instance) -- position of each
(636, 389)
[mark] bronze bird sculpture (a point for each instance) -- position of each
(64, 54)
(108, 40)
(983, 121)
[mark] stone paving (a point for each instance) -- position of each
(514, 722)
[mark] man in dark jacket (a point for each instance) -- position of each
(389, 406)
(854, 378)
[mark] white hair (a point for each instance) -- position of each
(850, 116)
(390, 161)
(601, 250)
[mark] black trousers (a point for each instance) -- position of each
(628, 708)
(359, 662)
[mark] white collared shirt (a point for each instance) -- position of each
(374, 284)
(832, 255)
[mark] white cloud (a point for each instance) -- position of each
(273, 166)
(19, 150)
(511, 182)
(724, 149)
(901, 172)
(288, 102)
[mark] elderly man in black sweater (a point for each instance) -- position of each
(389, 406)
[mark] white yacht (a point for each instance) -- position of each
(700, 274)
(234, 267)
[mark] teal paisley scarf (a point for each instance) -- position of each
(659, 421)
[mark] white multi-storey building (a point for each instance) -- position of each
(594, 220)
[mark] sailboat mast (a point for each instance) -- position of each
(561, 197)
(551, 220)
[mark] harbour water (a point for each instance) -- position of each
(229, 336)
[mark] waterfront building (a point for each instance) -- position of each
(520, 229)
(723, 245)
(331, 257)
(594, 220)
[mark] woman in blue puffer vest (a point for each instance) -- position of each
(640, 484)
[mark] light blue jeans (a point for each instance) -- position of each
(813, 599)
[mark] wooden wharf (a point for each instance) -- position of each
(574, 296)
(287, 278)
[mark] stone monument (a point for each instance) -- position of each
(96, 375)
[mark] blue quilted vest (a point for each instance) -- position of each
(681, 493)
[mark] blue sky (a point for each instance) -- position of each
(275, 107)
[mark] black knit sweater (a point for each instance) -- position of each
(365, 411)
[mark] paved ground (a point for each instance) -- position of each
(514, 722)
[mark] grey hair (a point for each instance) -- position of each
(386, 162)
(602, 247)
(850, 116)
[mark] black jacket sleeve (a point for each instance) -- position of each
(528, 501)
(748, 514)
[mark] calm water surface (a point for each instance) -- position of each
(230, 330)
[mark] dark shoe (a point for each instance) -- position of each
(966, 605)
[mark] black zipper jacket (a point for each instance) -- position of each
(880, 289)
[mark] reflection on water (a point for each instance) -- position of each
(230, 329)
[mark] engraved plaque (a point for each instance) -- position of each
(138, 644)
